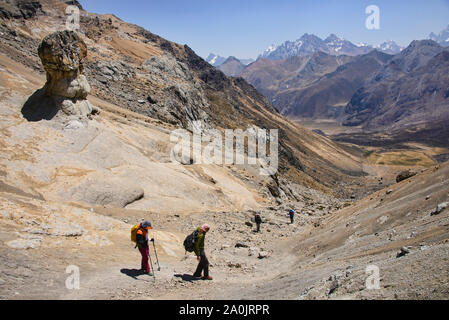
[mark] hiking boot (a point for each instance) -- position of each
(147, 273)
(207, 278)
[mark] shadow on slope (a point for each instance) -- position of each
(39, 107)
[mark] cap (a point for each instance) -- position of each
(146, 225)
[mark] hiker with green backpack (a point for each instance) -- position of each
(139, 235)
(195, 243)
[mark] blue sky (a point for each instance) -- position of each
(245, 28)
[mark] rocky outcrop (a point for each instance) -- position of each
(19, 9)
(183, 100)
(107, 71)
(439, 208)
(404, 175)
(111, 192)
(65, 92)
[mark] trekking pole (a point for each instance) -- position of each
(157, 259)
(151, 263)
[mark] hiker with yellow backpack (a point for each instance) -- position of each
(139, 235)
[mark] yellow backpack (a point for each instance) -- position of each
(134, 232)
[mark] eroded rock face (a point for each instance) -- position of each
(62, 54)
(183, 100)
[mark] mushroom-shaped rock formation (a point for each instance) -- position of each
(64, 94)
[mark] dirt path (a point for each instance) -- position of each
(175, 280)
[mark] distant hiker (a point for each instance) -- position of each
(258, 221)
(200, 254)
(141, 238)
(291, 214)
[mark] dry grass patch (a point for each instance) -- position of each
(400, 158)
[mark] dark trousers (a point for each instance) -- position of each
(202, 265)
(145, 253)
(291, 219)
(258, 227)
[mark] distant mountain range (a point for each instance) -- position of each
(375, 90)
(332, 45)
(307, 45)
(379, 87)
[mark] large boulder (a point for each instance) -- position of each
(62, 54)
(110, 192)
(404, 175)
(439, 208)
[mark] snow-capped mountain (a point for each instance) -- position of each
(309, 44)
(339, 46)
(269, 50)
(389, 47)
(305, 45)
(442, 38)
(333, 45)
(362, 44)
(217, 60)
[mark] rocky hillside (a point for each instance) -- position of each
(409, 90)
(85, 135)
(16, 9)
(129, 67)
(402, 232)
(139, 76)
(318, 86)
(271, 77)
